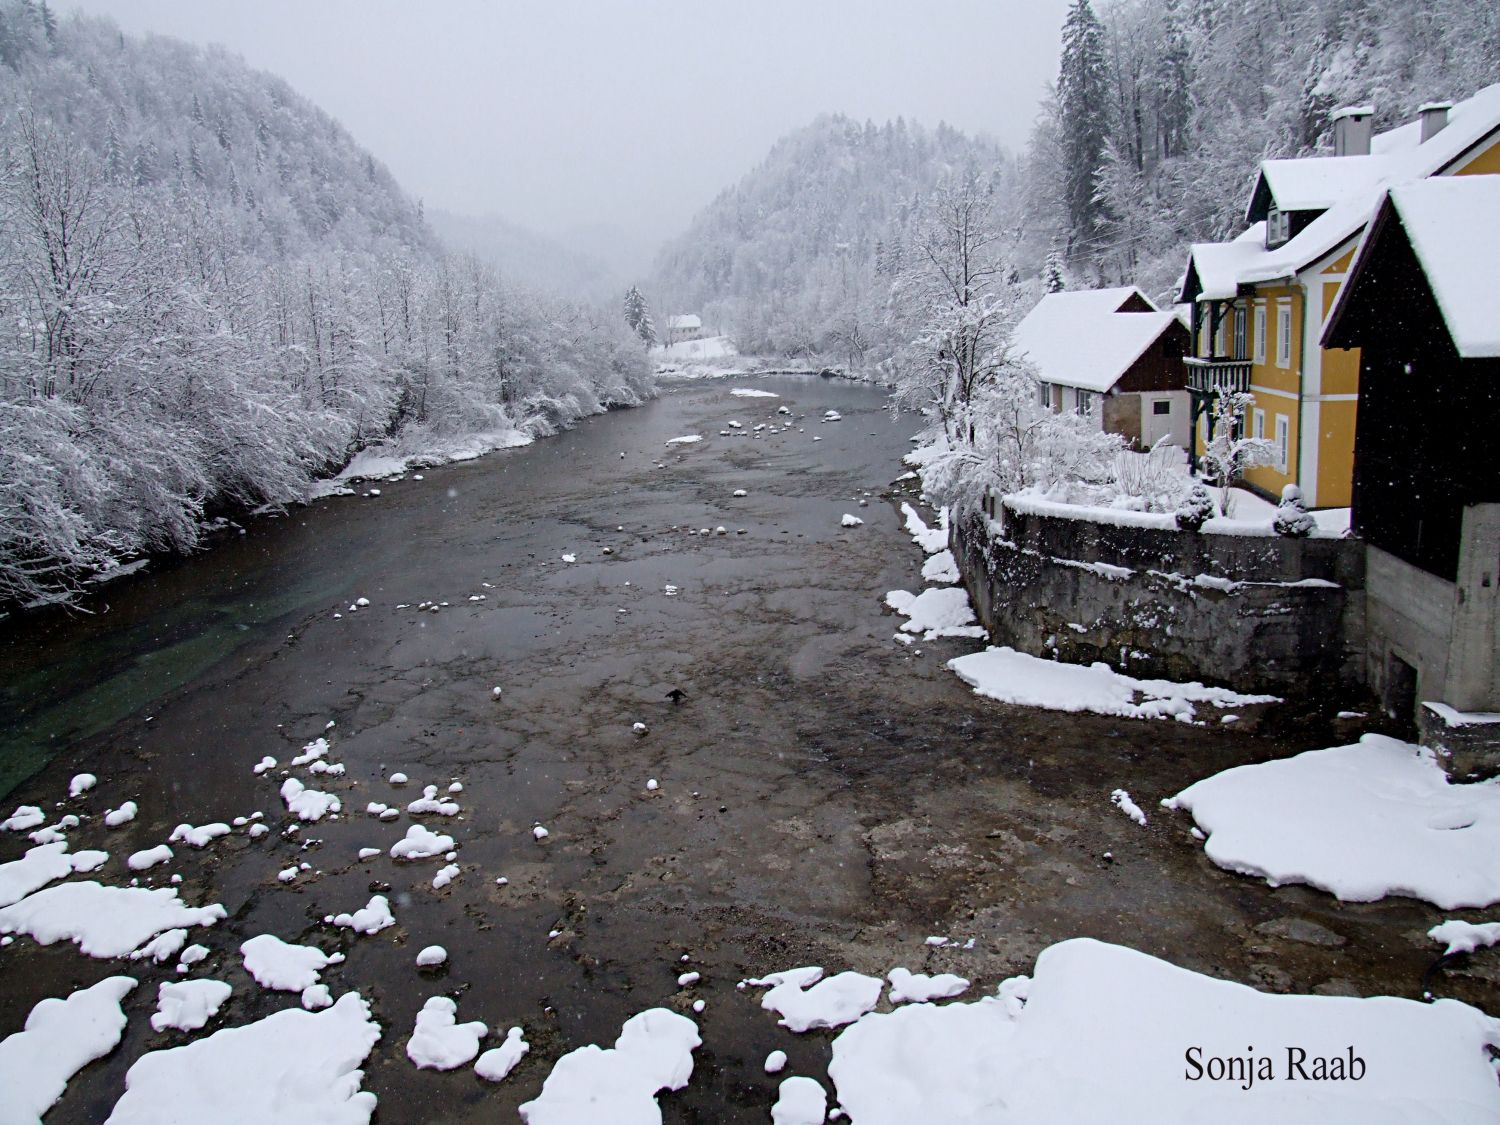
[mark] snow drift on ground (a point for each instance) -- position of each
(439, 1041)
(293, 1068)
(1014, 677)
(1364, 821)
(710, 347)
(103, 921)
(60, 1038)
(930, 539)
(42, 865)
(939, 611)
(804, 1000)
(590, 1085)
(1102, 1033)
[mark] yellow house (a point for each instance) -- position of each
(1260, 301)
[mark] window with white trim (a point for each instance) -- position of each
(1284, 334)
(1241, 311)
(1086, 403)
(1283, 440)
(1260, 333)
(1258, 429)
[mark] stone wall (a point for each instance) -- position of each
(1256, 612)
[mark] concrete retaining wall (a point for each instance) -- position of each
(1258, 613)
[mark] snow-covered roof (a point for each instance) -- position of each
(687, 320)
(1397, 157)
(1313, 183)
(1080, 338)
(1451, 224)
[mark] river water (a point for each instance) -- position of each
(825, 796)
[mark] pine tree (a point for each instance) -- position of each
(1173, 84)
(1052, 273)
(635, 308)
(49, 24)
(646, 329)
(1083, 100)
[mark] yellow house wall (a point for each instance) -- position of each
(1267, 477)
(1336, 453)
(1487, 163)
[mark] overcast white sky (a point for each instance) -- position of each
(624, 114)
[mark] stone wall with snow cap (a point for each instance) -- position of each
(1263, 613)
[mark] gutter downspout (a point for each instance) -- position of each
(1301, 385)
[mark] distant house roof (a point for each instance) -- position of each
(1081, 339)
(1398, 156)
(687, 320)
(1452, 228)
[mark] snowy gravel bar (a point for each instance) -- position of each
(1102, 1033)
(1364, 821)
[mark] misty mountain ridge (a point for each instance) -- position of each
(789, 260)
(527, 256)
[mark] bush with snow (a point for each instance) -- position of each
(1292, 519)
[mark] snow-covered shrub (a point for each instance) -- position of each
(1229, 453)
(1196, 509)
(1292, 519)
(1154, 481)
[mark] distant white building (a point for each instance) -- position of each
(685, 326)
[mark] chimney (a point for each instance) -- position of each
(1351, 130)
(1434, 118)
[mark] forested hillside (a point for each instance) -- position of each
(210, 295)
(797, 258)
(1164, 108)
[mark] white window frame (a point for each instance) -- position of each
(1283, 441)
(1258, 426)
(1046, 395)
(1221, 336)
(1283, 334)
(1260, 332)
(1085, 401)
(1155, 413)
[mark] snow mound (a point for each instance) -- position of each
(1465, 937)
(907, 987)
(103, 921)
(284, 967)
(930, 539)
(1121, 799)
(188, 1005)
(307, 804)
(840, 999)
(800, 1101)
(421, 843)
(499, 1061)
(294, 1068)
(1070, 1045)
(61, 1037)
(654, 1052)
(1013, 677)
(373, 917)
(1364, 821)
(940, 567)
(686, 439)
(940, 611)
(39, 866)
(850, 521)
(744, 392)
(439, 1041)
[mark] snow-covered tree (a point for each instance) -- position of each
(1292, 518)
(1053, 280)
(1083, 118)
(635, 308)
(1229, 451)
(957, 289)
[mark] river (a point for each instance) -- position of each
(824, 795)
